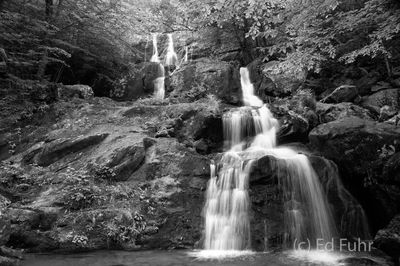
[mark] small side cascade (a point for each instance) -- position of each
(171, 58)
(154, 58)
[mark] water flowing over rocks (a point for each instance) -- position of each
(133, 175)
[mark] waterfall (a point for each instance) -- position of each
(154, 57)
(249, 134)
(159, 88)
(170, 58)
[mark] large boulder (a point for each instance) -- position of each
(388, 97)
(200, 77)
(361, 148)
(388, 239)
(344, 93)
(285, 77)
(330, 112)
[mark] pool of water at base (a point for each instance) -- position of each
(186, 258)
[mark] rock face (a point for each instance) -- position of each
(388, 239)
(204, 76)
(361, 148)
(112, 181)
(344, 93)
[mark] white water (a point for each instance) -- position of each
(159, 87)
(171, 58)
(226, 212)
(154, 58)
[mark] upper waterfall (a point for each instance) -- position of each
(154, 57)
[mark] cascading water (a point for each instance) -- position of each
(170, 58)
(159, 88)
(154, 58)
(158, 83)
(226, 212)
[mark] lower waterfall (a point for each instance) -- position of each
(249, 134)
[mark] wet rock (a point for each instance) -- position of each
(344, 93)
(331, 112)
(286, 79)
(75, 91)
(389, 97)
(388, 239)
(205, 76)
(57, 149)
